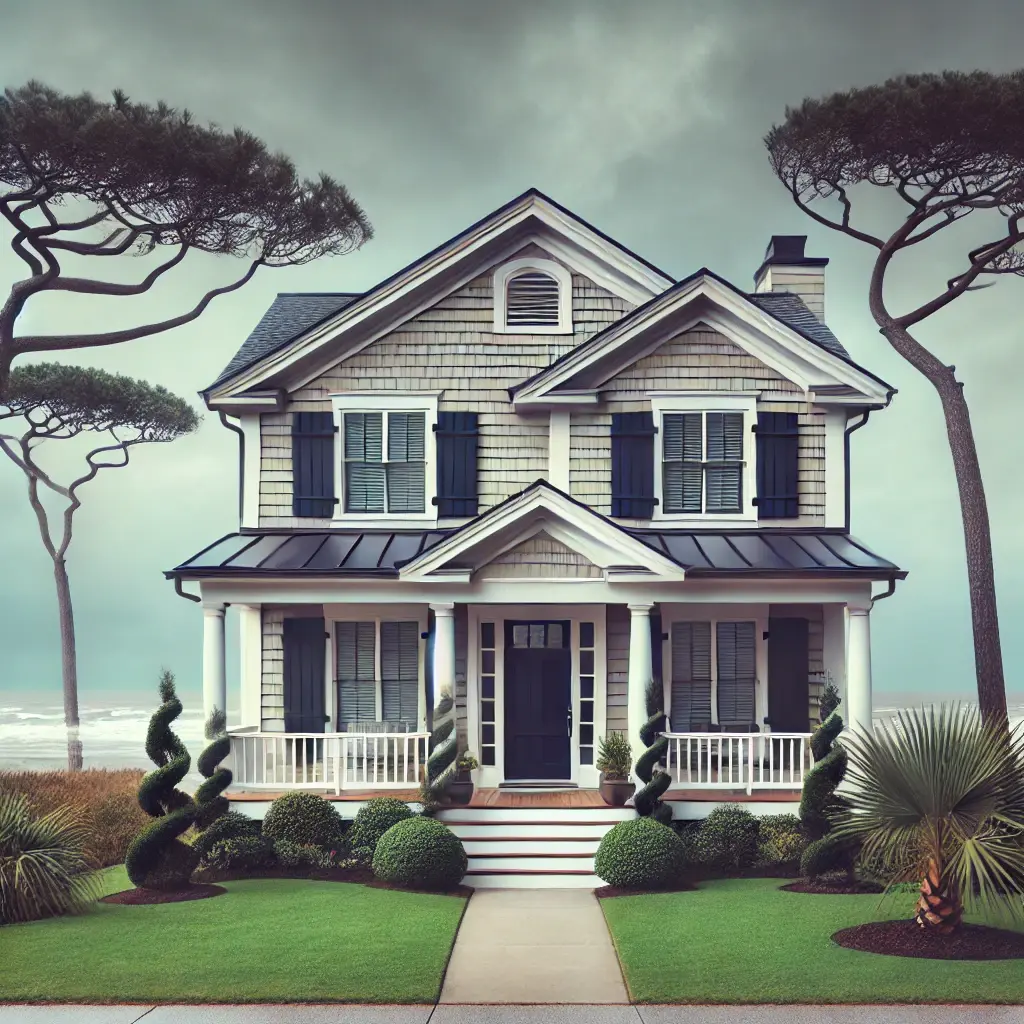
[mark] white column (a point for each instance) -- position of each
(444, 655)
(250, 663)
(858, 669)
(640, 669)
(214, 675)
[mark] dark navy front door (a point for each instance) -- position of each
(538, 700)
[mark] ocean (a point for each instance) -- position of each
(33, 736)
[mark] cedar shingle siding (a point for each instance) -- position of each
(539, 556)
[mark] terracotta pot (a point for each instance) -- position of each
(615, 792)
(460, 790)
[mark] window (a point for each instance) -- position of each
(587, 679)
(488, 656)
(378, 673)
(532, 296)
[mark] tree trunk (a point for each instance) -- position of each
(68, 663)
(939, 910)
(988, 659)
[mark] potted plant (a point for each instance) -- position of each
(460, 789)
(614, 760)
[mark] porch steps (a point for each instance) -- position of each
(532, 847)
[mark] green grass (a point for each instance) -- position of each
(266, 940)
(745, 941)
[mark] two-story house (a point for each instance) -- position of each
(534, 470)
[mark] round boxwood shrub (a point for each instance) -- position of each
(373, 819)
(303, 818)
(641, 854)
(781, 840)
(242, 854)
(228, 826)
(420, 853)
(727, 839)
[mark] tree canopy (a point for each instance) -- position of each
(132, 177)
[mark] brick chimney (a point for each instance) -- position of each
(787, 269)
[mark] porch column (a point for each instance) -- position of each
(858, 668)
(639, 678)
(442, 724)
(214, 676)
(250, 647)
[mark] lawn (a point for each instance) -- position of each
(744, 941)
(266, 940)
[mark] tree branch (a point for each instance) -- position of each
(89, 287)
(844, 225)
(28, 465)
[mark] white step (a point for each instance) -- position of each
(552, 815)
(525, 865)
(533, 881)
(528, 830)
(494, 845)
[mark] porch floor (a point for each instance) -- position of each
(563, 798)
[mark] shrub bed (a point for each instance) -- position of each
(305, 819)
(641, 854)
(228, 826)
(372, 820)
(241, 855)
(420, 853)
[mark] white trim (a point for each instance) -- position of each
(559, 444)
(835, 471)
(563, 279)
(397, 401)
(250, 425)
(250, 664)
(745, 403)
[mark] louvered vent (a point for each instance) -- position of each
(532, 300)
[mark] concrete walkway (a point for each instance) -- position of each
(533, 946)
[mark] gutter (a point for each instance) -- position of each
(241, 465)
(890, 591)
(181, 593)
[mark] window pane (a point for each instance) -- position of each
(363, 436)
(725, 436)
(586, 663)
(586, 734)
(486, 634)
(586, 711)
(555, 634)
(487, 662)
(682, 439)
(536, 634)
(586, 634)
(405, 436)
(487, 687)
(354, 644)
(406, 492)
(364, 487)
(487, 734)
(520, 635)
(586, 687)
(682, 485)
(586, 755)
(725, 486)
(487, 708)
(487, 756)
(400, 650)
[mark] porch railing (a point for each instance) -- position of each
(723, 760)
(338, 761)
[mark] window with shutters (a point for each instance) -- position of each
(704, 457)
(387, 456)
(532, 296)
(378, 673)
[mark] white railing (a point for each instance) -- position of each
(338, 761)
(739, 760)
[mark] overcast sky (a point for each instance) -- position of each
(644, 118)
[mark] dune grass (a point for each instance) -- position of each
(266, 940)
(746, 941)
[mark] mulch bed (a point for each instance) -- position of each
(834, 888)
(355, 876)
(606, 892)
(908, 938)
(143, 897)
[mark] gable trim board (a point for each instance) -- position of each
(702, 297)
(531, 217)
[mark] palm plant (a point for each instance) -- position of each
(938, 798)
(44, 867)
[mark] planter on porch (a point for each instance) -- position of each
(614, 760)
(460, 789)
(615, 791)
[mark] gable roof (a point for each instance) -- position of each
(532, 201)
(792, 311)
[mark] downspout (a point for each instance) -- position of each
(888, 593)
(181, 593)
(241, 467)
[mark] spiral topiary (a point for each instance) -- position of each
(819, 802)
(647, 800)
(641, 854)
(157, 858)
(420, 853)
(440, 769)
(210, 804)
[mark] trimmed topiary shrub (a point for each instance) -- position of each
(726, 840)
(209, 798)
(373, 819)
(420, 853)
(780, 839)
(648, 798)
(157, 858)
(228, 826)
(242, 854)
(305, 819)
(641, 854)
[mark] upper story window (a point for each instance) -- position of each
(532, 296)
(385, 462)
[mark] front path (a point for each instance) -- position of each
(533, 946)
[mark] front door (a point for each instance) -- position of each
(538, 700)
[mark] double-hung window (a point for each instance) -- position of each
(378, 673)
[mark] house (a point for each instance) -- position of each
(531, 470)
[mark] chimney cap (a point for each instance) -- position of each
(788, 250)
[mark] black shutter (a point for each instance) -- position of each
(456, 464)
(777, 436)
(304, 678)
(313, 465)
(633, 465)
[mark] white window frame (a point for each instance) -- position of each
(333, 614)
(506, 271)
(746, 403)
(385, 402)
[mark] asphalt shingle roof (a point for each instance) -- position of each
(790, 309)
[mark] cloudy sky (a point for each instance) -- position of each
(644, 118)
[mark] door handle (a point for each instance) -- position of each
(568, 719)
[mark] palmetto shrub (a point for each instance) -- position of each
(420, 853)
(641, 854)
(937, 797)
(44, 869)
(303, 818)
(373, 819)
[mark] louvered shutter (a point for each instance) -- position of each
(682, 462)
(777, 465)
(355, 647)
(304, 676)
(724, 468)
(313, 465)
(736, 675)
(531, 300)
(406, 466)
(633, 465)
(457, 491)
(691, 675)
(364, 461)
(400, 671)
